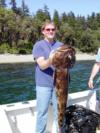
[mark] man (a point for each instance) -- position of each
(45, 91)
(95, 70)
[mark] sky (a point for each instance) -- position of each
(78, 7)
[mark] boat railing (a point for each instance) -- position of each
(16, 117)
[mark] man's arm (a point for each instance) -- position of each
(45, 63)
(95, 70)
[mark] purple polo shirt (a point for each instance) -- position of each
(44, 78)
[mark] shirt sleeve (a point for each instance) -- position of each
(98, 56)
(38, 51)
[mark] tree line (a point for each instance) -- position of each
(19, 30)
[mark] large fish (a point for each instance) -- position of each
(63, 60)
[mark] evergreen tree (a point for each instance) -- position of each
(87, 42)
(46, 11)
(13, 4)
(64, 17)
(25, 10)
(56, 19)
(2, 3)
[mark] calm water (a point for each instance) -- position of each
(17, 80)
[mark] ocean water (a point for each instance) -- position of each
(17, 81)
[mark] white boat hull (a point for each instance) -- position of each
(21, 117)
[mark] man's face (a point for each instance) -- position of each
(49, 31)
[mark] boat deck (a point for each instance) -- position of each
(21, 117)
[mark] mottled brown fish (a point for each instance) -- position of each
(63, 60)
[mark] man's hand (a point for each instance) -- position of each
(90, 84)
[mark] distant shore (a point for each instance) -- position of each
(13, 58)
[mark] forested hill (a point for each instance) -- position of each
(19, 30)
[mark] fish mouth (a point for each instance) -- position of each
(64, 57)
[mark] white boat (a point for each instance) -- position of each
(20, 117)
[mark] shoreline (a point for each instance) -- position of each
(13, 58)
